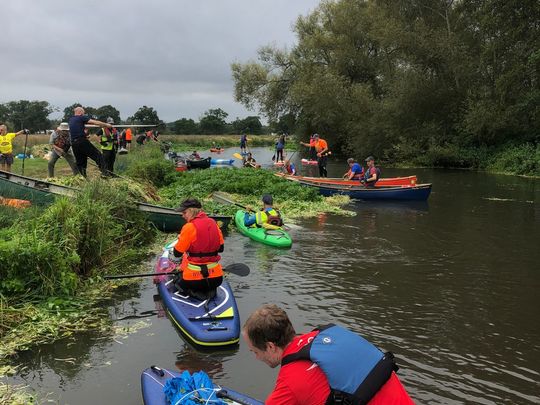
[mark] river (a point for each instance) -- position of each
(451, 286)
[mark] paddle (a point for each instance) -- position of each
(220, 197)
(26, 132)
(239, 269)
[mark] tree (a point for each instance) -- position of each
(68, 111)
(251, 124)
(145, 115)
(27, 114)
(213, 121)
(107, 111)
(185, 126)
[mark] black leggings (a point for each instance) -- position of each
(322, 166)
(279, 155)
(202, 286)
(83, 149)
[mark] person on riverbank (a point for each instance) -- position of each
(129, 136)
(355, 172)
(197, 251)
(82, 148)
(61, 147)
(372, 174)
(108, 139)
(267, 217)
(6, 147)
(321, 147)
(308, 362)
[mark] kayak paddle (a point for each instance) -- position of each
(222, 198)
(239, 269)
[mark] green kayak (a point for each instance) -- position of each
(276, 238)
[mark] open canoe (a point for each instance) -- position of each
(419, 192)
(217, 150)
(277, 238)
(385, 181)
(208, 323)
(42, 193)
(198, 164)
(153, 380)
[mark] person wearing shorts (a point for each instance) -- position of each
(6, 147)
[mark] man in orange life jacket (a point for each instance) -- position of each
(197, 251)
(270, 335)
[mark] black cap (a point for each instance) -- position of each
(189, 203)
(267, 199)
(370, 158)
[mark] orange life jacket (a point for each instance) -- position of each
(201, 259)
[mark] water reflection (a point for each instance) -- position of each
(450, 286)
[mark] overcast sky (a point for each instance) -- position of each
(173, 55)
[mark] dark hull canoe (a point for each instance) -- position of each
(419, 192)
(198, 164)
(43, 193)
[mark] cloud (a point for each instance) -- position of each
(173, 55)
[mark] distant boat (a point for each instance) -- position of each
(42, 193)
(384, 181)
(419, 192)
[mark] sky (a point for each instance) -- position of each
(172, 55)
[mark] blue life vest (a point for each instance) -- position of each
(356, 370)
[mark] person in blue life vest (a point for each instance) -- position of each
(356, 172)
(268, 217)
(372, 174)
(108, 140)
(329, 365)
(289, 168)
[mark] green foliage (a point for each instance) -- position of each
(522, 159)
(31, 115)
(145, 115)
(249, 125)
(372, 76)
(147, 164)
(213, 121)
(185, 126)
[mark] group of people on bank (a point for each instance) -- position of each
(329, 365)
(71, 141)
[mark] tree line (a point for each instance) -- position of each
(33, 115)
(404, 79)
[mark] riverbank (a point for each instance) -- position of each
(52, 260)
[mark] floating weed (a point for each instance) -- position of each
(15, 395)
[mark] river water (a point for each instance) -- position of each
(451, 286)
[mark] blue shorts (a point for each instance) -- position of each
(6, 158)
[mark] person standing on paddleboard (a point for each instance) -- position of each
(321, 147)
(197, 251)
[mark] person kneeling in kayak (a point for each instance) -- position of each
(197, 251)
(268, 217)
(329, 365)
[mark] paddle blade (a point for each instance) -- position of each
(238, 156)
(240, 269)
(273, 158)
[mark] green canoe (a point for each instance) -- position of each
(276, 238)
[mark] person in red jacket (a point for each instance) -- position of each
(197, 250)
(270, 335)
